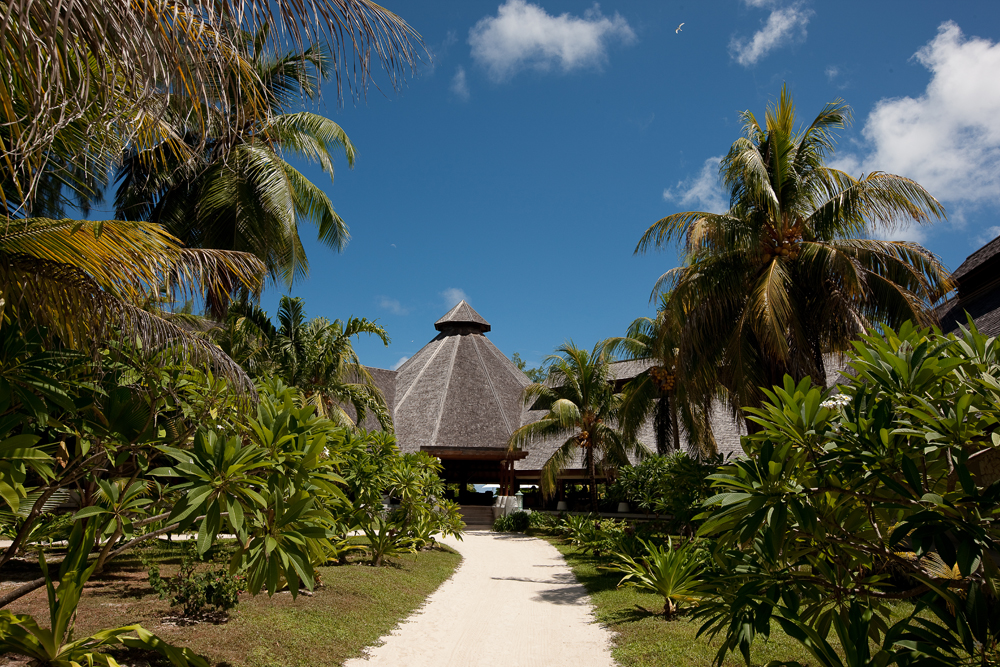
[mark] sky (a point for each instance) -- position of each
(538, 141)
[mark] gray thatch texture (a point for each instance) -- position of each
(462, 315)
(977, 293)
(459, 390)
(988, 254)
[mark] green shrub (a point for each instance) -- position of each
(517, 522)
(542, 521)
(675, 484)
(837, 483)
(195, 591)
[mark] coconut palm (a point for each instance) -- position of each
(583, 411)
(239, 192)
(664, 391)
(87, 281)
(317, 357)
(787, 274)
(120, 64)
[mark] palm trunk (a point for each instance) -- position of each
(592, 469)
(661, 424)
(675, 426)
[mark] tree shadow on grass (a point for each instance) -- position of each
(631, 615)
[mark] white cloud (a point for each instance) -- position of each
(702, 192)
(524, 35)
(948, 138)
(831, 72)
(459, 85)
(988, 235)
(402, 360)
(783, 25)
(452, 296)
(392, 305)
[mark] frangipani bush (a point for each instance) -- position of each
(846, 505)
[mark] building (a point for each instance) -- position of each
(977, 292)
(460, 398)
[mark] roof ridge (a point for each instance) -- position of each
(420, 373)
(489, 381)
(444, 395)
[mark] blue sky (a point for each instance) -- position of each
(521, 165)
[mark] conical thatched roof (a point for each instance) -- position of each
(459, 390)
(462, 316)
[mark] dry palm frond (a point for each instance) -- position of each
(89, 62)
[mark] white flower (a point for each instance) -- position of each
(836, 401)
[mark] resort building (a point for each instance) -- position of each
(460, 398)
(977, 292)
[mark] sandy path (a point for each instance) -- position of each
(512, 600)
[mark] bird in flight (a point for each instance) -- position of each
(678, 28)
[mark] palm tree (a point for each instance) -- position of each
(87, 281)
(239, 192)
(317, 357)
(786, 275)
(664, 390)
(120, 65)
(584, 409)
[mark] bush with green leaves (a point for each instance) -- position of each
(543, 521)
(374, 470)
(194, 590)
(836, 487)
(515, 522)
(673, 484)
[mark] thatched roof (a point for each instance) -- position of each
(459, 390)
(984, 255)
(978, 292)
(462, 316)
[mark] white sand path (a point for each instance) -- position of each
(512, 600)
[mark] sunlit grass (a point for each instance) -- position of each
(644, 639)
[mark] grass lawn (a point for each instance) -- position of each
(644, 639)
(355, 606)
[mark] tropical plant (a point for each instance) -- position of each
(278, 490)
(845, 504)
(664, 570)
(543, 521)
(86, 283)
(374, 472)
(583, 408)
(582, 531)
(124, 65)
(317, 357)
(232, 189)
(674, 395)
(96, 427)
(21, 634)
(786, 275)
(515, 522)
